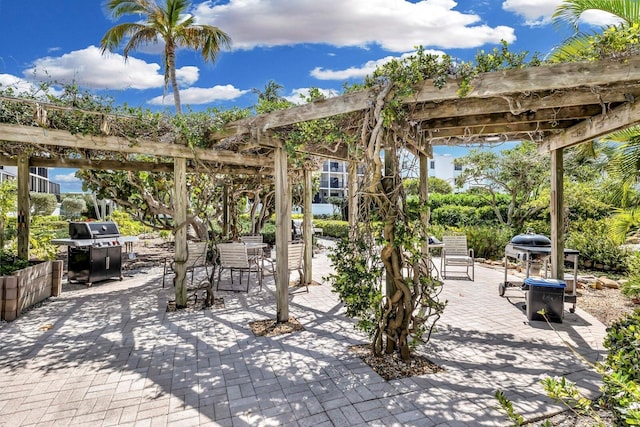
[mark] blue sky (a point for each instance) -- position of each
(297, 43)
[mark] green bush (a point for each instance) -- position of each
(73, 207)
(43, 229)
(269, 233)
(453, 215)
(333, 228)
(42, 203)
(127, 225)
(591, 238)
(9, 262)
(631, 288)
(622, 369)
(486, 241)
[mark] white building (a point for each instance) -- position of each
(441, 166)
(335, 176)
(39, 179)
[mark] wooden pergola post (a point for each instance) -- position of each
(180, 218)
(24, 206)
(307, 229)
(556, 209)
(283, 233)
(352, 193)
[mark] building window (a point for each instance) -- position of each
(457, 167)
(432, 164)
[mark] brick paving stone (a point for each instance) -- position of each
(144, 366)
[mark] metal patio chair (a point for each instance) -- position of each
(455, 253)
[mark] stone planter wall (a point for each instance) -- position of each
(29, 286)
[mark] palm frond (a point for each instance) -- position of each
(572, 49)
(622, 223)
(115, 35)
(141, 37)
(570, 11)
(119, 8)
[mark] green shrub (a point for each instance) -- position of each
(622, 369)
(631, 288)
(73, 207)
(333, 228)
(269, 233)
(453, 215)
(9, 262)
(43, 229)
(488, 241)
(42, 203)
(127, 225)
(591, 238)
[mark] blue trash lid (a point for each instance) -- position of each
(548, 283)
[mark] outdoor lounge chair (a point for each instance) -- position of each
(456, 254)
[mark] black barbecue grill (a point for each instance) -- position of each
(94, 251)
(534, 251)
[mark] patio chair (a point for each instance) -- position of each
(455, 253)
(197, 256)
(296, 258)
(294, 263)
(252, 238)
(234, 257)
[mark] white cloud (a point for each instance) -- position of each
(395, 25)
(89, 68)
(197, 95)
(539, 12)
(359, 72)
(22, 87)
(66, 178)
(298, 96)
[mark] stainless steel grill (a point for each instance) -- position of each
(94, 251)
(534, 251)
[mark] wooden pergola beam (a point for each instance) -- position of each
(513, 128)
(58, 138)
(543, 117)
(520, 103)
(619, 118)
(135, 166)
(488, 85)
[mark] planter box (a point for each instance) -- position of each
(29, 286)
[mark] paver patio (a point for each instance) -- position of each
(112, 355)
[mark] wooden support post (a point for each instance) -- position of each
(180, 218)
(307, 230)
(424, 199)
(556, 208)
(283, 234)
(24, 206)
(352, 193)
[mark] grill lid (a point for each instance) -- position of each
(530, 239)
(93, 230)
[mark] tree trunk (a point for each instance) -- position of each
(171, 63)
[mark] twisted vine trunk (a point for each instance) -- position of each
(409, 304)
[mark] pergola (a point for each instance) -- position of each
(557, 106)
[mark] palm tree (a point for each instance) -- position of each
(626, 12)
(170, 23)
(271, 92)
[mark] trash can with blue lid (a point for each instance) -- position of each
(547, 295)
